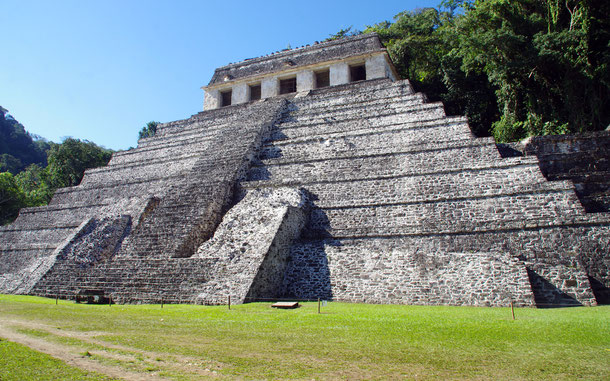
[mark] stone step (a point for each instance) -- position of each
(35, 238)
(487, 182)
(451, 213)
(161, 152)
(301, 107)
(371, 141)
(368, 89)
(187, 135)
(405, 113)
(411, 122)
(139, 171)
(445, 231)
(382, 164)
(458, 129)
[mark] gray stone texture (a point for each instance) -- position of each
(359, 192)
(308, 55)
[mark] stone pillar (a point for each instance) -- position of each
(270, 87)
(339, 74)
(305, 80)
(211, 99)
(376, 67)
(240, 94)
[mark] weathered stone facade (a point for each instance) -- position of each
(348, 187)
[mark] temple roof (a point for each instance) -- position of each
(303, 56)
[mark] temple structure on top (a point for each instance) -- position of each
(318, 173)
(299, 70)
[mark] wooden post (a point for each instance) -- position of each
(109, 300)
(512, 309)
(161, 302)
(318, 305)
(229, 302)
(56, 299)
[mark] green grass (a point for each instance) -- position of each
(18, 362)
(346, 341)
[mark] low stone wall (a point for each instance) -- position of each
(381, 272)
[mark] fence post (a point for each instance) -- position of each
(229, 301)
(512, 309)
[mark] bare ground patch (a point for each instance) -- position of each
(113, 360)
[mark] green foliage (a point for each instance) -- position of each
(36, 185)
(11, 198)
(149, 130)
(346, 32)
(18, 148)
(515, 68)
(421, 45)
(69, 160)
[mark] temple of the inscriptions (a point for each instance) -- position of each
(317, 172)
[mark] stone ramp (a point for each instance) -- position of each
(250, 247)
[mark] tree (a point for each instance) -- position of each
(346, 32)
(515, 68)
(36, 185)
(69, 160)
(539, 57)
(421, 45)
(11, 198)
(149, 130)
(18, 148)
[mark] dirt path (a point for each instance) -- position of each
(73, 355)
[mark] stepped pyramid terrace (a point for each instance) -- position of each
(314, 173)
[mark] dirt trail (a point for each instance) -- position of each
(72, 355)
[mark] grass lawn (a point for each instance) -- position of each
(346, 341)
(18, 362)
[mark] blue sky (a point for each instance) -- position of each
(100, 70)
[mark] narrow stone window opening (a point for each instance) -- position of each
(357, 72)
(225, 98)
(288, 85)
(323, 78)
(255, 92)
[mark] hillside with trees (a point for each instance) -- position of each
(18, 148)
(515, 68)
(32, 168)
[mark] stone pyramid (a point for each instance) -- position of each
(315, 173)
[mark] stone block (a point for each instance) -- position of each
(211, 99)
(270, 87)
(240, 93)
(339, 74)
(305, 80)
